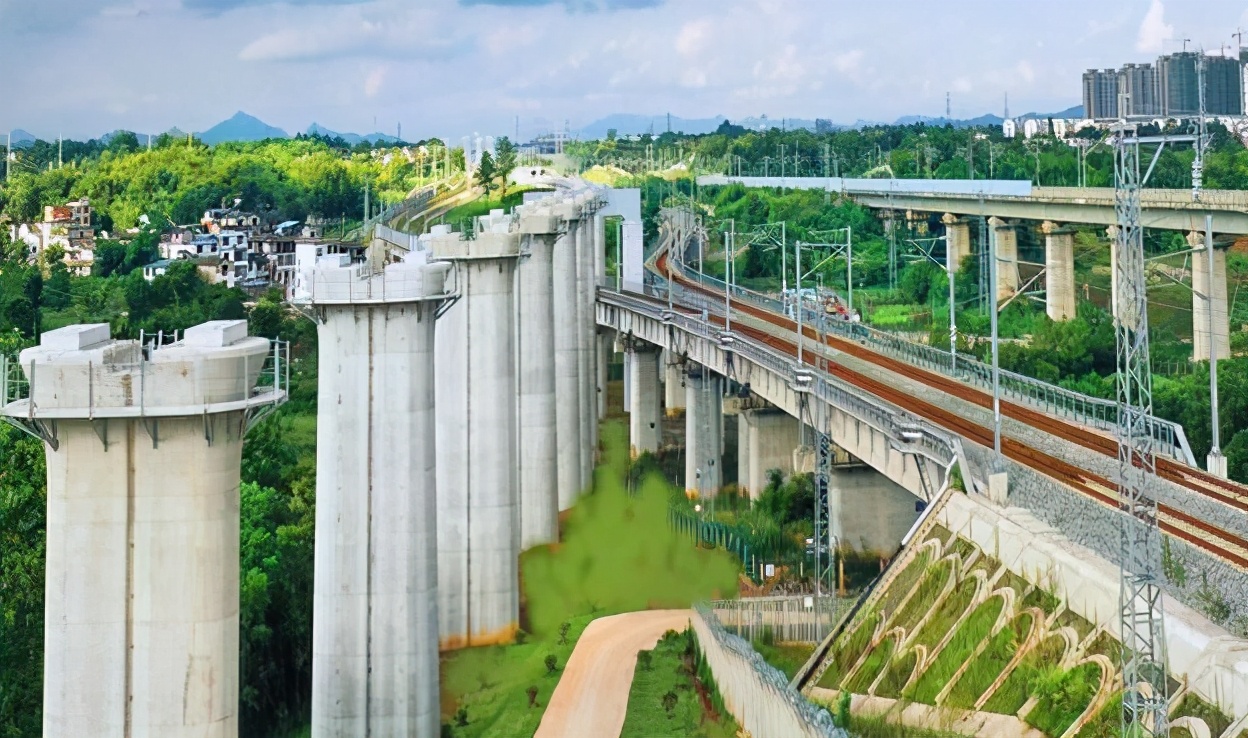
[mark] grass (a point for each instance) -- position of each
(944, 619)
(1070, 619)
(851, 648)
(1063, 697)
(899, 671)
(872, 667)
(1042, 599)
(932, 585)
(989, 664)
(896, 316)
(904, 582)
(879, 727)
(1108, 646)
(670, 674)
(515, 196)
(1194, 706)
(1107, 723)
(973, 631)
(1011, 696)
(617, 555)
(787, 657)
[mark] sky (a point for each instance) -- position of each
(454, 67)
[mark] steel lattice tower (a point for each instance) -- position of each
(1145, 696)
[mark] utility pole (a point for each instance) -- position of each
(948, 107)
(60, 152)
(8, 156)
(1215, 464)
(970, 147)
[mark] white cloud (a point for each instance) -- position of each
(1154, 31)
(692, 37)
(375, 79)
(848, 62)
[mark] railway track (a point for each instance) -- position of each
(1227, 546)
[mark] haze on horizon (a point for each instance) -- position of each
(449, 67)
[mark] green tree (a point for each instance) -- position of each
(505, 161)
(486, 172)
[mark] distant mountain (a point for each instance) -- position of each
(22, 139)
(1073, 113)
(351, 138)
(241, 127)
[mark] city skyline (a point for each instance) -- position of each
(447, 67)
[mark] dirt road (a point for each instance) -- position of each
(592, 695)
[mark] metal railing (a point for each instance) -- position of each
(785, 619)
(1094, 412)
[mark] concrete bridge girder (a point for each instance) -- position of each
(876, 447)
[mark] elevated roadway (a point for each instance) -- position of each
(1007, 199)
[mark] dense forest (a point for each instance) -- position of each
(176, 181)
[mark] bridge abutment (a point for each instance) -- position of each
(867, 511)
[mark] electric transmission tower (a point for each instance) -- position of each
(1145, 691)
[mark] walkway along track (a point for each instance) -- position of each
(1227, 546)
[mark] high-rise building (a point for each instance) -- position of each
(1177, 82)
(1224, 86)
(1100, 94)
(1137, 84)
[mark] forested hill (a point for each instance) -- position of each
(177, 180)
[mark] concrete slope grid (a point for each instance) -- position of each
(592, 696)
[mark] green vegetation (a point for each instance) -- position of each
(1062, 696)
(787, 657)
(933, 584)
(1011, 696)
(990, 663)
(1193, 706)
(898, 674)
(460, 214)
(876, 662)
(491, 684)
(967, 637)
(617, 555)
(851, 649)
(674, 697)
(947, 615)
(905, 582)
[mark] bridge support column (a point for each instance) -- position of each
(535, 357)
(673, 386)
(478, 501)
(141, 587)
(769, 440)
(1007, 258)
(867, 511)
(585, 329)
(1205, 285)
(704, 417)
(375, 623)
(1060, 266)
(644, 428)
(567, 387)
(605, 343)
(958, 234)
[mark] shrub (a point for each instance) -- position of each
(669, 702)
(564, 627)
(531, 692)
(552, 663)
(461, 716)
(645, 660)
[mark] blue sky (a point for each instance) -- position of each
(452, 67)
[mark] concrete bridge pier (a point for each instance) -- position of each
(535, 357)
(867, 511)
(704, 431)
(644, 428)
(958, 238)
(478, 501)
(766, 439)
(1205, 284)
(375, 621)
(673, 385)
(1007, 258)
(605, 343)
(587, 375)
(567, 348)
(1060, 267)
(143, 449)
